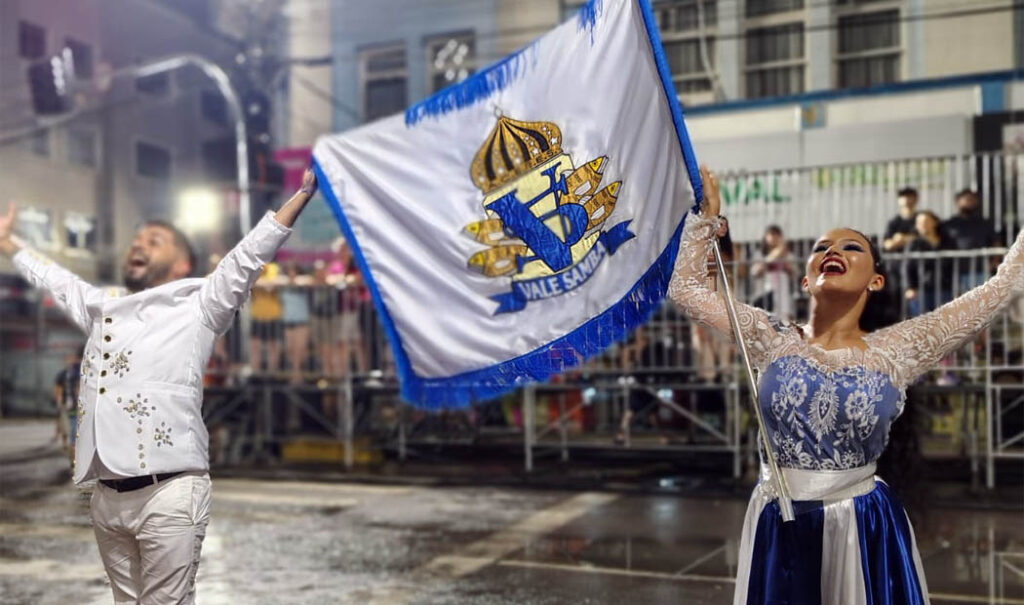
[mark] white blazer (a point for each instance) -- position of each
(142, 374)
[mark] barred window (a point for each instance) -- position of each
(869, 49)
(385, 78)
(758, 8)
(775, 60)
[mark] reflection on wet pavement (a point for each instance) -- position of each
(294, 542)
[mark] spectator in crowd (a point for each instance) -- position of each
(713, 350)
(929, 281)
(353, 297)
(901, 229)
(295, 300)
(775, 268)
(65, 392)
(267, 313)
(638, 359)
(324, 320)
(969, 230)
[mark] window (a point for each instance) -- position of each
(81, 54)
(157, 84)
(684, 15)
(152, 161)
(758, 8)
(775, 60)
(686, 66)
(213, 107)
(82, 147)
(450, 59)
(31, 40)
(869, 49)
(385, 81)
(679, 21)
(79, 232)
(36, 225)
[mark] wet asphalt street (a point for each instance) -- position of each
(300, 542)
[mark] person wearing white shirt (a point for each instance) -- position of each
(141, 433)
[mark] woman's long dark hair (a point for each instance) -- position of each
(902, 464)
(725, 242)
(882, 307)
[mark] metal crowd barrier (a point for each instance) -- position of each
(668, 388)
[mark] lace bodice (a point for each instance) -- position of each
(832, 408)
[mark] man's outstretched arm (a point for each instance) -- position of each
(230, 283)
(69, 291)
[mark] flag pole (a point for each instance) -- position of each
(781, 488)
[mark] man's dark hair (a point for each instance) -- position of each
(907, 192)
(180, 240)
(967, 193)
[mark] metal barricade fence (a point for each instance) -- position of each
(318, 361)
(671, 386)
(320, 368)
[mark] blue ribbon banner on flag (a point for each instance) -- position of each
(518, 223)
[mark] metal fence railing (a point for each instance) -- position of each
(316, 361)
(671, 386)
(319, 365)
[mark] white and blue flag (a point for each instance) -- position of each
(517, 223)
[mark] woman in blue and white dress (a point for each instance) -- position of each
(829, 391)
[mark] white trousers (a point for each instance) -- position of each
(150, 538)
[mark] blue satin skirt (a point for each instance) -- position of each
(788, 561)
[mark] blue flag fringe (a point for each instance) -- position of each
(613, 325)
(587, 16)
(492, 79)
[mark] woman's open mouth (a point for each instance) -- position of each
(832, 266)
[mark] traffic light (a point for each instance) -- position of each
(263, 170)
(256, 106)
(219, 157)
(219, 162)
(50, 84)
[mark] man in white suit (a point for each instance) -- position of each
(141, 432)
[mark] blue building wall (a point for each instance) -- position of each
(358, 24)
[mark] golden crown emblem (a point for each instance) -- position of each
(513, 149)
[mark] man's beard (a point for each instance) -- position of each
(154, 274)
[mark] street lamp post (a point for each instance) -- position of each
(223, 82)
(220, 78)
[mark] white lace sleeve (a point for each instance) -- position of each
(916, 345)
(690, 289)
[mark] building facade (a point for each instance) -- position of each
(766, 85)
(84, 184)
(721, 52)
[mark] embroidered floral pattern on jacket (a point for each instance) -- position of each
(137, 406)
(121, 364)
(162, 435)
